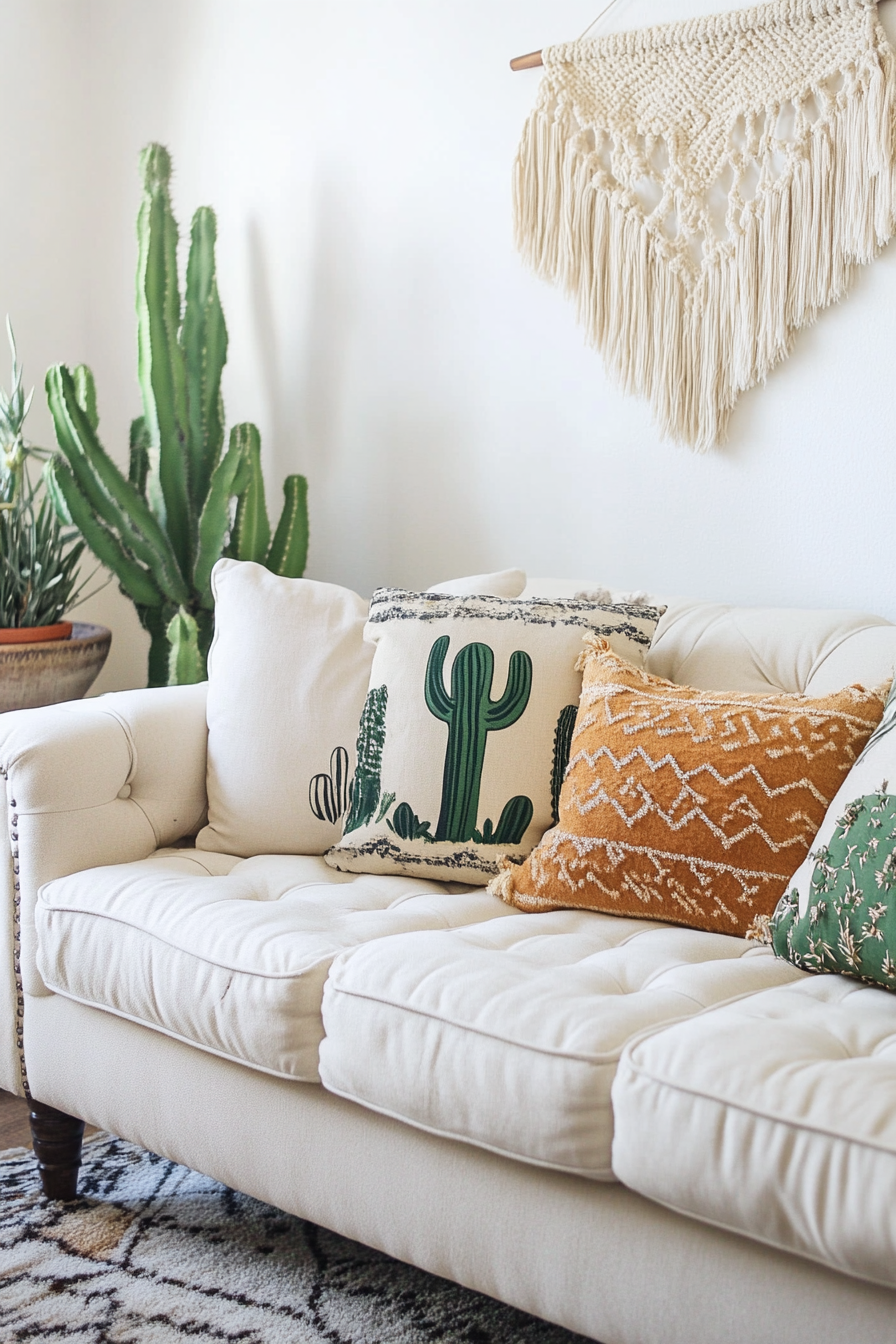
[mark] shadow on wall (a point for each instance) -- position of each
(304, 378)
(371, 412)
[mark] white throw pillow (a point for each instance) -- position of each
(465, 732)
(505, 583)
(288, 673)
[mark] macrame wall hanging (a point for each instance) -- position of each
(703, 189)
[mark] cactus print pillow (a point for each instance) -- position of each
(465, 732)
(839, 912)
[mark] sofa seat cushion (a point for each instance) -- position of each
(228, 954)
(774, 1117)
(507, 1035)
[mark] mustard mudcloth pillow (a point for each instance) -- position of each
(465, 731)
(688, 806)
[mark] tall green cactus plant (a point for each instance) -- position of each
(161, 528)
(471, 715)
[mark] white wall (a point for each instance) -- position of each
(384, 334)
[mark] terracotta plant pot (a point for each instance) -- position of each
(36, 634)
(47, 670)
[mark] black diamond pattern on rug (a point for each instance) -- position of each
(153, 1253)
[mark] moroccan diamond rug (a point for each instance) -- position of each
(153, 1253)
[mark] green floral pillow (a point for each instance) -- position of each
(839, 914)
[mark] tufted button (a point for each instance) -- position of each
(124, 791)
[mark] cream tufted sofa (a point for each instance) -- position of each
(647, 1134)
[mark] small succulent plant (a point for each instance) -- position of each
(39, 558)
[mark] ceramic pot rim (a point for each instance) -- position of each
(36, 634)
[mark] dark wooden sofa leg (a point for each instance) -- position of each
(57, 1146)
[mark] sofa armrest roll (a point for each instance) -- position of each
(88, 783)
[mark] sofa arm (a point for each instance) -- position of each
(87, 783)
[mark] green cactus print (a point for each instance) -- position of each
(407, 825)
(562, 746)
(511, 825)
(371, 739)
(513, 820)
(471, 715)
(328, 794)
(850, 923)
(385, 803)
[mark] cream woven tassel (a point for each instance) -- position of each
(686, 312)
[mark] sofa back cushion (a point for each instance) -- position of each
(718, 647)
(802, 651)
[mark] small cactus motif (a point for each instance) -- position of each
(385, 803)
(512, 823)
(328, 795)
(407, 825)
(513, 820)
(562, 745)
(471, 715)
(371, 739)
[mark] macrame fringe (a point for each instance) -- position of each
(693, 341)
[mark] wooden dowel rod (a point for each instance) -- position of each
(526, 62)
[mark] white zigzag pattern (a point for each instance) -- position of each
(703, 872)
(660, 706)
(598, 794)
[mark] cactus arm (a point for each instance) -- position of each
(160, 361)
(471, 715)
(471, 681)
(252, 531)
(328, 794)
(438, 702)
(206, 622)
(139, 585)
(138, 443)
(155, 622)
(339, 776)
(214, 522)
(203, 340)
(513, 821)
(562, 746)
(57, 498)
(244, 473)
(186, 664)
(85, 394)
(289, 549)
(502, 713)
(113, 498)
(321, 800)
